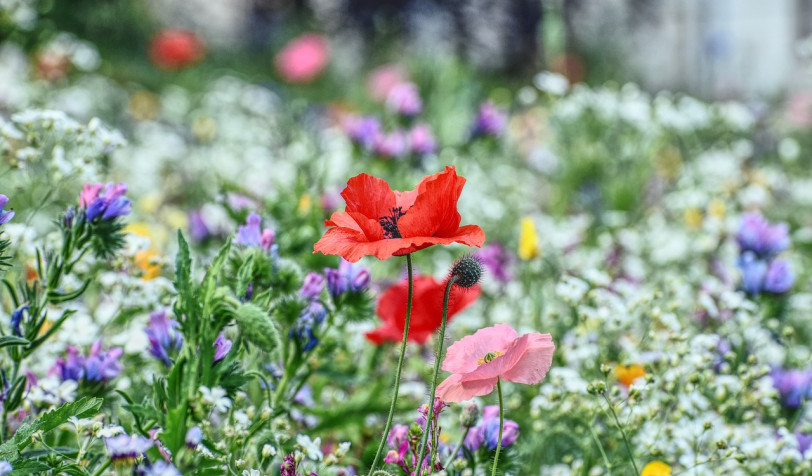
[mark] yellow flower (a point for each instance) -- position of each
(716, 208)
(528, 240)
(693, 218)
(305, 203)
(144, 259)
(656, 468)
(627, 375)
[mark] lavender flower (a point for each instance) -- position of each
(793, 385)
(490, 121)
(498, 260)
(222, 346)
(193, 437)
(804, 442)
(164, 336)
(392, 145)
(251, 235)
(753, 271)
(125, 449)
(102, 366)
(313, 284)
(757, 235)
(161, 468)
(348, 277)
(303, 328)
(421, 140)
(104, 201)
(198, 229)
(5, 216)
(362, 130)
(71, 366)
(780, 277)
(404, 99)
(397, 435)
(488, 431)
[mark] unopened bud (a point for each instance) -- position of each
(466, 272)
(469, 415)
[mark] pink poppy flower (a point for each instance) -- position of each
(303, 59)
(492, 353)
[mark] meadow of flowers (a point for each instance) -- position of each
(421, 272)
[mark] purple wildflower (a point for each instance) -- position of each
(404, 99)
(222, 346)
(498, 260)
(5, 216)
(104, 201)
(757, 235)
(309, 319)
(102, 366)
(71, 366)
(421, 140)
(161, 468)
(362, 130)
(779, 277)
(490, 121)
(793, 385)
(288, 466)
(753, 271)
(193, 437)
(348, 277)
(198, 229)
(125, 449)
(397, 435)
(804, 442)
(17, 319)
(5, 468)
(250, 234)
(164, 336)
(488, 431)
(239, 202)
(313, 284)
(392, 145)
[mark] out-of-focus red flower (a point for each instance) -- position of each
(175, 49)
(303, 59)
(381, 222)
(427, 309)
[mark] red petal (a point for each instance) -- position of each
(369, 196)
(434, 212)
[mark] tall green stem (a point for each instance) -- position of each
(437, 358)
(623, 434)
(501, 425)
(400, 365)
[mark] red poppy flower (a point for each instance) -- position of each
(175, 49)
(382, 222)
(427, 309)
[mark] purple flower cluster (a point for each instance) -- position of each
(288, 467)
(349, 277)
(106, 202)
(794, 386)
(99, 365)
(405, 441)
(489, 122)
(5, 216)
(252, 235)
(404, 99)
(487, 432)
(164, 337)
(759, 243)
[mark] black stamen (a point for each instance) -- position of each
(390, 223)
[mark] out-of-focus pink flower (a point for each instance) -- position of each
(175, 49)
(422, 140)
(303, 58)
(404, 98)
(799, 109)
(492, 353)
(381, 80)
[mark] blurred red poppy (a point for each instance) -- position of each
(427, 309)
(381, 222)
(175, 49)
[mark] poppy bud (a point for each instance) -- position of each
(467, 272)
(470, 415)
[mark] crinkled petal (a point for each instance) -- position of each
(369, 196)
(498, 366)
(454, 389)
(462, 356)
(533, 366)
(434, 212)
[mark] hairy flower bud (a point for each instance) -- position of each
(470, 415)
(466, 272)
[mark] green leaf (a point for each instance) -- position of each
(208, 285)
(55, 297)
(13, 340)
(28, 466)
(183, 268)
(259, 328)
(245, 275)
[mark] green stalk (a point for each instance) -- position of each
(501, 425)
(437, 357)
(457, 448)
(399, 368)
(623, 434)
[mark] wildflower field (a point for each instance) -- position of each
(412, 268)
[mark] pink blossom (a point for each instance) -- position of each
(381, 80)
(492, 353)
(303, 59)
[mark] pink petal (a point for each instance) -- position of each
(453, 389)
(536, 361)
(462, 356)
(502, 364)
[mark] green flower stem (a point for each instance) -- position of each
(101, 469)
(399, 368)
(437, 358)
(501, 425)
(622, 433)
(456, 450)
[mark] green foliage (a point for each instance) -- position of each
(259, 328)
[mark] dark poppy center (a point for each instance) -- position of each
(390, 223)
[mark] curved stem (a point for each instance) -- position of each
(437, 357)
(501, 425)
(622, 433)
(399, 368)
(457, 448)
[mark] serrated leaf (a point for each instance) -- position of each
(83, 408)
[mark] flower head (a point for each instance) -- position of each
(363, 131)
(251, 234)
(312, 286)
(497, 260)
(104, 201)
(392, 145)
(528, 239)
(194, 436)
(164, 336)
(348, 277)
(793, 385)
(421, 140)
(102, 365)
(488, 431)
(656, 468)
(5, 216)
(175, 49)
(492, 353)
(5, 468)
(627, 375)
(427, 307)
(125, 449)
(757, 235)
(17, 319)
(381, 222)
(222, 346)
(490, 121)
(404, 99)
(303, 59)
